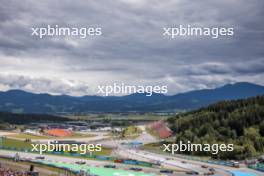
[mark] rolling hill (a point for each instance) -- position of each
(24, 102)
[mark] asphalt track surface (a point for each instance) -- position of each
(70, 161)
(172, 162)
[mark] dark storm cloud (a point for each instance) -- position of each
(132, 48)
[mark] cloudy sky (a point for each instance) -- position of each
(132, 49)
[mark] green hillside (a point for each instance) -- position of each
(12, 118)
(238, 122)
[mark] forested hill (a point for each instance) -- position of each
(240, 122)
(12, 118)
(19, 101)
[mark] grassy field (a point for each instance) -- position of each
(81, 135)
(153, 133)
(104, 152)
(7, 142)
(39, 137)
(153, 147)
(131, 132)
(18, 144)
(28, 136)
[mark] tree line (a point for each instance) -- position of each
(13, 118)
(239, 122)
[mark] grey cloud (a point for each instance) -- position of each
(132, 48)
(43, 85)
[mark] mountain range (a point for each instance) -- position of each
(19, 101)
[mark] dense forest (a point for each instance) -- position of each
(12, 118)
(239, 122)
